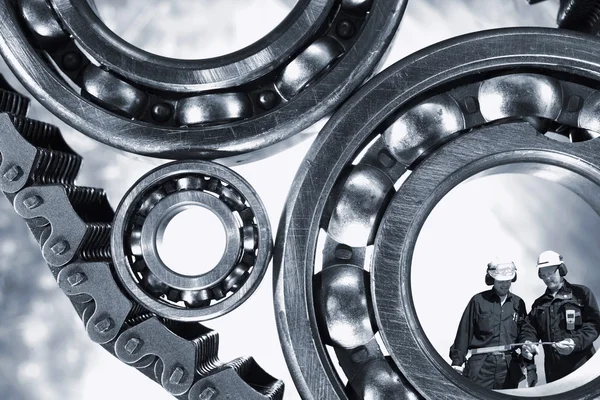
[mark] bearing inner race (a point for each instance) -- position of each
(156, 223)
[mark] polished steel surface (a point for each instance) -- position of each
(454, 67)
(222, 107)
(50, 357)
(422, 126)
(147, 208)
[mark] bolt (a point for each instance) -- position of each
(76, 279)
(60, 247)
(359, 355)
(574, 104)
(104, 325)
(13, 173)
(32, 202)
(161, 112)
(71, 61)
(133, 345)
(208, 393)
(343, 252)
(267, 99)
(385, 159)
(471, 105)
(176, 376)
(345, 29)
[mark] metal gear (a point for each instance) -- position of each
(73, 226)
(216, 108)
(445, 113)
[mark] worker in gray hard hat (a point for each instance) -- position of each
(492, 319)
(566, 315)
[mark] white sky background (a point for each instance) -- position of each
(514, 217)
(54, 352)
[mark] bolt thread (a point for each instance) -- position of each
(208, 349)
(580, 15)
(40, 134)
(91, 204)
(55, 167)
(96, 242)
(13, 103)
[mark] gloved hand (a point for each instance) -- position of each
(528, 350)
(565, 346)
(532, 377)
(458, 368)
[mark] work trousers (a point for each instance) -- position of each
(494, 371)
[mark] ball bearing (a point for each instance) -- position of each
(216, 108)
(140, 224)
(444, 114)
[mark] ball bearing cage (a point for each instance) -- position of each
(219, 107)
(344, 191)
(149, 206)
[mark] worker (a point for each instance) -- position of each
(566, 315)
(493, 318)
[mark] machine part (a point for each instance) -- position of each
(221, 107)
(141, 220)
(73, 224)
(443, 114)
(578, 15)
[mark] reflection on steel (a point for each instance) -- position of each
(443, 102)
(141, 220)
(344, 306)
(523, 95)
(354, 216)
(221, 107)
(423, 126)
(73, 225)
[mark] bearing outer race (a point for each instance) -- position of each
(342, 137)
(170, 74)
(124, 211)
(404, 217)
(256, 136)
(152, 224)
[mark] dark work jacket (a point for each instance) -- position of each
(485, 323)
(547, 322)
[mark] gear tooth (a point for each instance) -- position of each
(55, 167)
(13, 103)
(41, 134)
(90, 203)
(251, 373)
(96, 244)
(208, 349)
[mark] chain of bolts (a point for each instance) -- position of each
(359, 200)
(72, 225)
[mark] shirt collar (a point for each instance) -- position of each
(494, 295)
(565, 292)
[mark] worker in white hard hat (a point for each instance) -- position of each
(566, 315)
(492, 318)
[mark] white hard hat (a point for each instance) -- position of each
(549, 259)
(502, 270)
